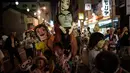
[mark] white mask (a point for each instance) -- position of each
(65, 19)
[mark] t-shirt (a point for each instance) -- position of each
(4, 37)
(124, 40)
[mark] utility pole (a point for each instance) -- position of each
(113, 12)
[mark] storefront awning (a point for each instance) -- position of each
(106, 26)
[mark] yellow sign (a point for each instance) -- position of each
(81, 16)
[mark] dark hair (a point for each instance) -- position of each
(94, 39)
(107, 62)
(38, 26)
(48, 54)
(88, 28)
(58, 44)
(27, 33)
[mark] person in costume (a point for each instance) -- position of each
(65, 36)
(64, 28)
(45, 43)
(45, 39)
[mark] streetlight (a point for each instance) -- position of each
(28, 9)
(35, 13)
(38, 16)
(44, 8)
(39, 12)
(17, 3)
(43, 19)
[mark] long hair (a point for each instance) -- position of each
(39, 26)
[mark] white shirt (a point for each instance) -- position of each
(4, 37)
(91, 57)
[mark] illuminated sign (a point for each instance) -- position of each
(81, 16)
(88, 6)
(106, 8)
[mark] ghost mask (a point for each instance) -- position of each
(65, 18)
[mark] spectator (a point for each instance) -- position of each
(89, 33)
(96, 42)
(113, 40)
(124, 41)
(107, 62)
(29, 45)
(107, 34)
(41, 65)
(12, 45)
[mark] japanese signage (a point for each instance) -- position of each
(106, 8)
(88, 6)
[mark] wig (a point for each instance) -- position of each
(44, 26)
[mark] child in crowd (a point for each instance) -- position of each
(41, 65)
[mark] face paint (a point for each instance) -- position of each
(65, 19)
(65, 4)
(42, 33)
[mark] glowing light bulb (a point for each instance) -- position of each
(28, 9)
(44, 8)
(17, 3)
(39, 17)
(39, 12)
(35, 13)
(45, 21)
(86, 18)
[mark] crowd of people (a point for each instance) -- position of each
(46, 55)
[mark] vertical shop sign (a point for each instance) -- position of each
(106, 8)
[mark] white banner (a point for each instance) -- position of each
(106, 8)
(127, 7)
(87, 6)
